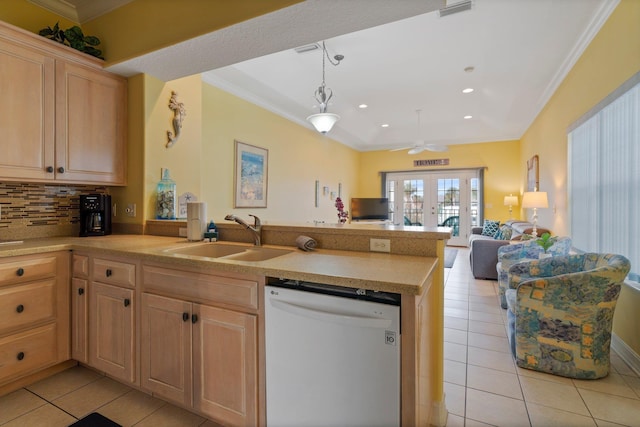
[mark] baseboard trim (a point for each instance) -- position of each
(439, 413)
(626, 353)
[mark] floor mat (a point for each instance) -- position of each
(449, 257)
(95, 420)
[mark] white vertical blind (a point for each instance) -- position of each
(604, 179)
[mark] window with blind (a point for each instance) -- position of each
(604, 177)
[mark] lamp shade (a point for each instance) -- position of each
(511, 200)
(323, 122)
(535, 199)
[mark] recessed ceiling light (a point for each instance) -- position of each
(467, 90)
(362, 106)
(385, 125)
(468, 117)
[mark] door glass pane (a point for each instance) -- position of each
(391, 195)
(413, 201)
(449, 204)
(475, 201)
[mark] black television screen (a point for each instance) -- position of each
(369, 209)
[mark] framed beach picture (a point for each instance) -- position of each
(533, 179)
(251, 171)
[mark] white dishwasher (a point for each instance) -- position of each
(332, 356)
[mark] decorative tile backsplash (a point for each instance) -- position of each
(25, 207)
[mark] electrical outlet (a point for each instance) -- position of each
(380, 245)
(131, 209)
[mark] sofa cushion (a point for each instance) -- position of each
(504, 233)
(490, 227)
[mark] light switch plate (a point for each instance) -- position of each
(380, 245)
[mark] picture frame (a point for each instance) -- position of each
(250, 176)
(533, 177)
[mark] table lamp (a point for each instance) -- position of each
(535, 200)
(511, 201)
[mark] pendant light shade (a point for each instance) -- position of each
(323, 122)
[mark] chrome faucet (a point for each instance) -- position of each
(255, 230)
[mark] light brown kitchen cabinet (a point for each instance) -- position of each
(67, 120)
(34, 314)
(199, 342)
(111, 330)
(79, 306)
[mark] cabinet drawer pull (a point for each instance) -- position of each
(20, 272)
(185, 316)
(194, 318)
(108, 272)
(60, 169)
(127, 302)
(80, 291)
(20, 355)
(50, 169)
(20, 308)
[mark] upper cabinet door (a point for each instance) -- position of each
(90, 125)
(27, 123)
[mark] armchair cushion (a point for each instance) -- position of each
(561, 312)
(524, 251)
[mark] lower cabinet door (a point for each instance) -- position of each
(225, 365)
(79, 319)
(165, 349)
(111, 326)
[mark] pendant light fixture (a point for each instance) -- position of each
(323, 121)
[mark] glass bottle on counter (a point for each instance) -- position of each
(166, 205)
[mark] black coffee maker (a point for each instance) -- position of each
(95, 215)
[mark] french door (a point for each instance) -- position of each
(443, 198)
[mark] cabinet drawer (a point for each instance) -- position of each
(198, 287)
(80, 266)
(27, 268)
(114, 272)
(27, 351)
(23, 305)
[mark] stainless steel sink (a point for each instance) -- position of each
(258, 254)
(230, 251)
(210, 250)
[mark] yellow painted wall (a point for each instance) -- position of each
(502, 175)
(183, 159)
(298, 156)
(30, 17)
(612, 57)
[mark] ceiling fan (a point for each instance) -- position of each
(420, 145)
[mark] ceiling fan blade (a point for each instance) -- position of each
(416, 150)
(401, 148)
(437, 148)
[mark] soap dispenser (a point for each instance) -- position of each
(166, 206)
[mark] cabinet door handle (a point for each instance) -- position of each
(194, 318)
(20, 355)
(80, 291)
(20, 272)
(127, 302)
(185, 316)
(20, 308)
(60, 169)
(49, 169)
(108, 272)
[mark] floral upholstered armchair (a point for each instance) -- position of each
(561, 313)
(527, 250)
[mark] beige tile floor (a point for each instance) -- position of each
(482, 384)
(64, 398)
(484, 387)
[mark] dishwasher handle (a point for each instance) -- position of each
(331, 316)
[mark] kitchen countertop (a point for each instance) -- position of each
(368, 270)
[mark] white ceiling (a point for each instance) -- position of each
(398, 59)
